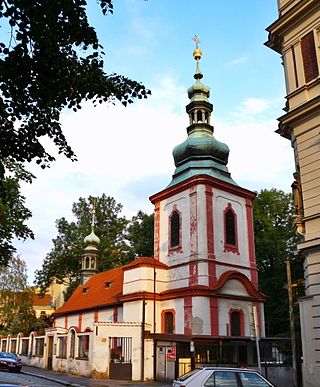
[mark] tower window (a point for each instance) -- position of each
(309, 57)
(174, 223)
(199, 116)
(230, 230)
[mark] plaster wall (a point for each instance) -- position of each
(221, 200)
(201, 316)
(138, 280)
(225, 306)
(176, 304)
(133, 330)
(182, 203)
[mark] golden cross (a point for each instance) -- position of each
(196, 40)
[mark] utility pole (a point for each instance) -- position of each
(292, 328)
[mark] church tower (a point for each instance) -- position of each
(204, 231)
(89, 259)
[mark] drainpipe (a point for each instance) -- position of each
(154, 323)
(292, 327)
(142, 334)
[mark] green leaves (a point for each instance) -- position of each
(52, 60)
(13, 213)
(275, 242)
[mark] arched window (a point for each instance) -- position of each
(230, 230)
(199, 116)
(236, 323)
(168, 321)
(175, 229)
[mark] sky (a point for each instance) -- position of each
(126, 153)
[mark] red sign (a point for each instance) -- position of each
(171, 353)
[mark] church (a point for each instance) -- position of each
(196, 301)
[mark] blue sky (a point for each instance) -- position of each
(127, 152)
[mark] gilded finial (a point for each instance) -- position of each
(197, 53)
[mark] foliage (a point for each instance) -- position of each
(16, 313)
(63, 262)
(120, 241)
(275, 242)
(51, 60)
(140, 234)
(13, 213)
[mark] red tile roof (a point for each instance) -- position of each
(38, 300)
(102, 289)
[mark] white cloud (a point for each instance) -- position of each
(236, 61)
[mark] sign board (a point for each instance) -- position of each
(171, 353)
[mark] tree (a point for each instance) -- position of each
(63, 262)
(51, 60)
(140, 234)
(275, 242)
(13, 213)
(16, 312)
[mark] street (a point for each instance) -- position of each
(38, 377)
(25, 380)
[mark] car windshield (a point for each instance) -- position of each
(187, 375)
(8, 355)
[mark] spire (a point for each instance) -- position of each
(200, 153)
(89, 259)
(92, 239)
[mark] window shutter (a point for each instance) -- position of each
(309, 57)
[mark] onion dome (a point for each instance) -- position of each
(91, 239)
(200, 153)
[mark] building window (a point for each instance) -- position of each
(13, 344)
(62, 347)
(168, 321)
(83, 348)
(175, 230)
(309, 57)
(230, 230)
(236, 323)
(24, 346)
(72, 343)
(39, 346)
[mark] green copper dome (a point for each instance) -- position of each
(200, 153)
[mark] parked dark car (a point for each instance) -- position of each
(10, 361)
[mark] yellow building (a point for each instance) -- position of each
(296, 36)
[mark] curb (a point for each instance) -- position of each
(60, 381)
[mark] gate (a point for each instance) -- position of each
(120, 354)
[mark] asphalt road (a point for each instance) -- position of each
(25, 380)
(38, 377)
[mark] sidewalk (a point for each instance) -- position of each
(81, 381)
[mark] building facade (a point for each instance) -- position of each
(195, 302)
(296, 36)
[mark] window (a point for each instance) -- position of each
(168, 322)
(309, 57)
(230, 230)
(222, 379)
(62, 347)
(236, 323)
(72, 343)
(13, 345)
(39, 346)
(83, 348)
(24, 346)
(4, 345)
(252, 379)
(174, 222)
